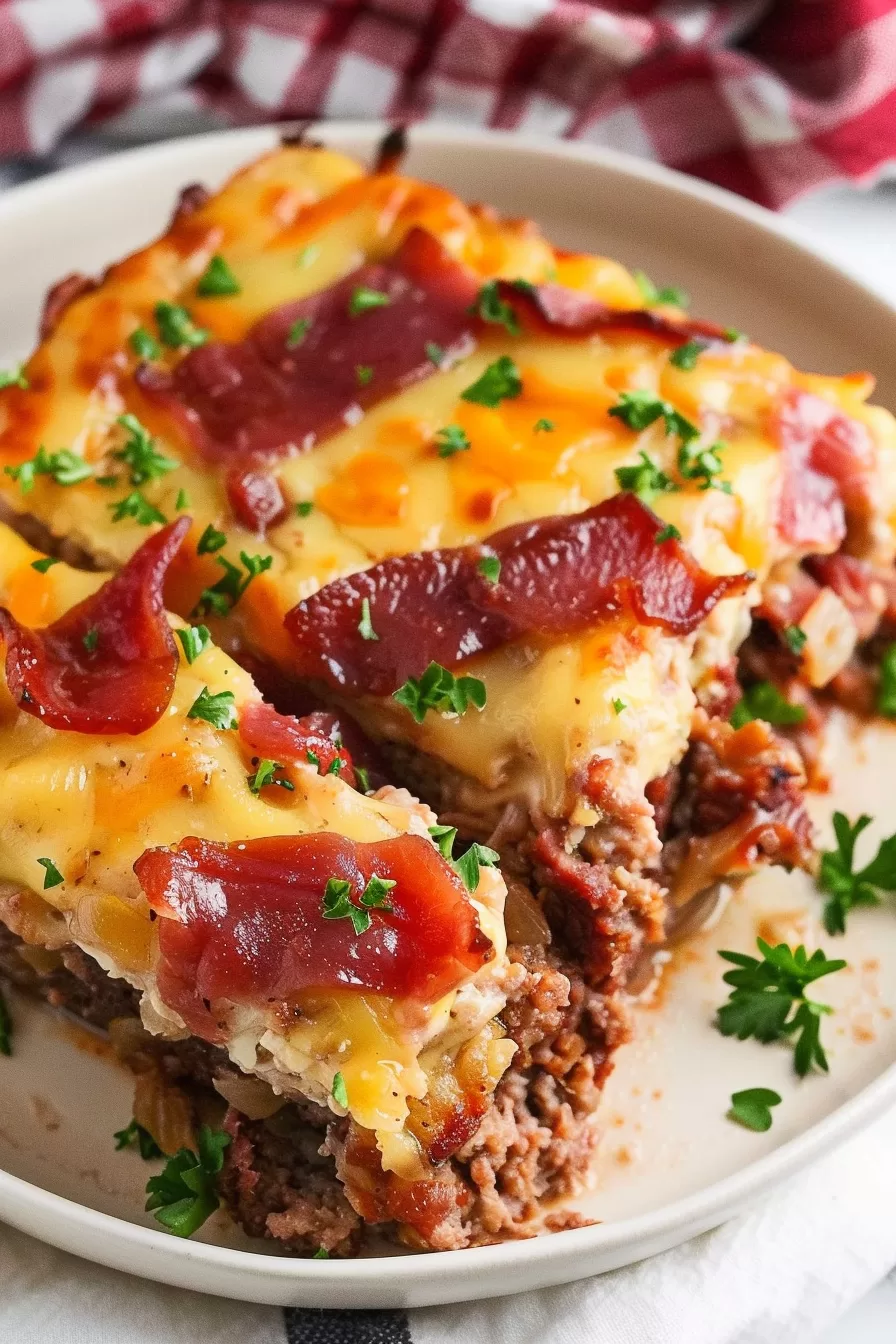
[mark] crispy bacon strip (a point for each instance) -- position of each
(108, 665)
(828, 474)
(551, 307)
(244, 923)
(558, 575)
(311, 367)
(292, 741)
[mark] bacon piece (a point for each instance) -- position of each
(558, 575)
(255, 498)
(123, 682)
(287, 386)
(244, 924)
(548, 307)
(283, 738)
(829, 459)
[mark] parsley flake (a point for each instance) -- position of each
(444, 838)
(363, 300)
(434, 353)
(365, 625)
(44, 564)
(492, 308)
(619, 706)
(194, 640)
(364, 374)
(183, 500)
(321, 1254)
(64, 467)
(468, 865)
(374, 896)
(651, 295)
(762, 700)
(490, 568)
(304, 508)
(501, 381)
(137, 506)
(451, 439)
(544, 426)
(337, 904)
(639, 409)
(645, 479)
(886, 690)
(14, 378)
(795, 638)
(668, 533)
(686, 356)
(297, 333)
(177, 328)
(223, 596)
(752, 1108)
(703, 465)
(90, 639)
(135, 1136)
(266, 774)
(5, 1028)
(140, 453)
(339, 1092)
(440, 690)
(144, 345)
(363, 778)
(211, 540)
(846, 889)
(768, 1000)
(732, 334)
(52, 875)
(184, 1194)
(217, 280)
(219, 710)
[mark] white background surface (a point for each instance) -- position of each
(858, 231)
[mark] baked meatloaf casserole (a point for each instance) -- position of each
(506, 601)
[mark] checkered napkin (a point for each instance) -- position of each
(768, 97)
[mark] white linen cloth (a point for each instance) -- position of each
(782, 1272)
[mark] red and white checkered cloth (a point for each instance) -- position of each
(768, 97)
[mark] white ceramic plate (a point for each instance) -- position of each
(671, 1165)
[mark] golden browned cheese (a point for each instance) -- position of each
(296, 222)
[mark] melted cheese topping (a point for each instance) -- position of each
(93, 804)
(294, 223)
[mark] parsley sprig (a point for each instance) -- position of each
(338, 903)
(177, 328)
(768, 1000)
(184, 1195)
(501, 381)
(194, 640)
(266, 773)
(451, 439)
(469, 863)
(135, 1136)
(492, 308)
(217, 709)
(762, 700)
(640, 409)
(140, 454)
(645, 479)
(440, 690)
(223, 596)
(752, 1108)
(137, 506)
(64, 467)
(844, 887)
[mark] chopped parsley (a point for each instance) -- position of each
(90, 639)
(451, 439)
(144, 344)
(375, 894)
(440, 690)
(5, 1028)
(211, 540)
(768, 1000)
(219, 710)
(703, 465)
(645, 479)
(619, 706)
(501, 381)
(686, 356)
(64, 466)
(14, 378)
(652, 295)
(266, 774)
(338, 904)
(846, 889)
(217, 280)
(195, 639)
(312, 757)
(363, 300)
(52, 875)
(308, 255)
(135, 1136)
(639, 409)
(886, 690)
(762, 700)
(492, 308)
(434, 353)
(363, 779)
(339, 1092)
(795, 638)
(490, 568)
(364, 374)
(444, 838)
(365, 625)
(321, 1254)
(544, 426)
(177, 328)
(752, 1108)
(732, 334)
(297, 333)
(140, 454)
(47, 562)
(184, 1195)
(468, 865)
(183, 500)
(304, 508)
(223, 596)
(668, 533)
(137, 506)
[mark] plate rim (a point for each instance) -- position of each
(452, 1276)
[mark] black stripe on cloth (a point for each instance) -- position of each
(311, 1325)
